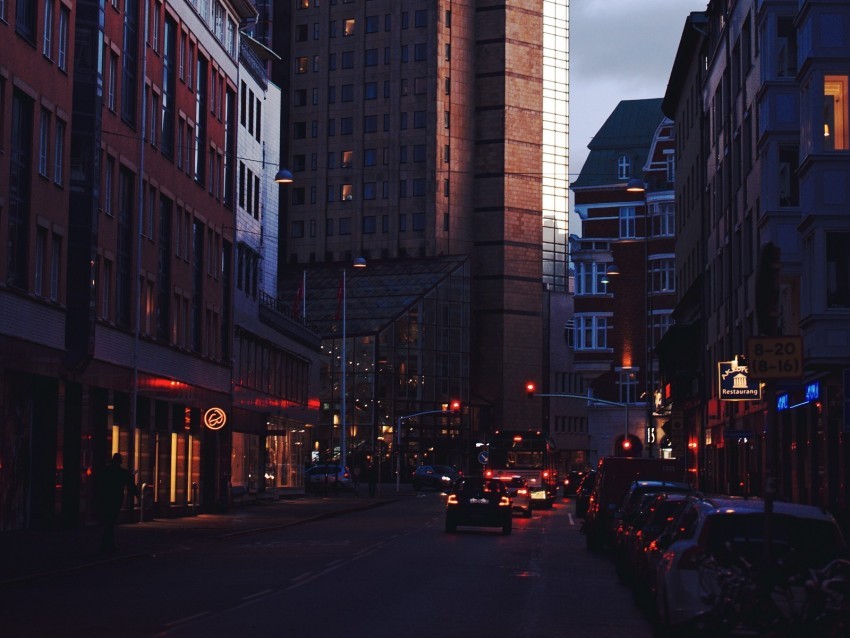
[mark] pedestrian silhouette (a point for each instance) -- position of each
(373, 478)
(114, 479)
(356, 479)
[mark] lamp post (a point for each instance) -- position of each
(343, 449)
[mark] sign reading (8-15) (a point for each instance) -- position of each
(775, 357)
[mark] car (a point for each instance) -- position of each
(584, 492)
(614, 476)
(572, 481)
(476, 501)
(660, 513)
(327, 477)
(634, 502)
(716, 534)
(438, 477)
(520, 495)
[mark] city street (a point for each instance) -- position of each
(385, 571)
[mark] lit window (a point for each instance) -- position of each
(835, 124)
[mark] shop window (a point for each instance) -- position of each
(837, 270)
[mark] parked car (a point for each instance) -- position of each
(637, 497)
(520, 495)
(730, 532)
(572, 481)
(614, 476)
(659, 515)
(438, 477)
(584, 492)
(479, 502)
(319, 478)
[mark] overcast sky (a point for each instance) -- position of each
(619, 50)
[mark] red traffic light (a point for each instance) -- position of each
(454, 406)
(627, 444)
(530, 389)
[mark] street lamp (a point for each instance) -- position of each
(284, 176)
(343, 449)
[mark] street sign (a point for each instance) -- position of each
(483, 457)
(775, 357)
(735, 383)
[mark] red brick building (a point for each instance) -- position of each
(624, 276)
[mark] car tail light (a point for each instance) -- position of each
(504, 502)
(452, 500)
(522, 491)
(489, 473)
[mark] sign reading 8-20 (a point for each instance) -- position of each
(775, 357)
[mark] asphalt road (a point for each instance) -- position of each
(388, 572)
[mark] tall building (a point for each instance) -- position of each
(417, 131)
(120, 260)
(759, 95)
(625, 280)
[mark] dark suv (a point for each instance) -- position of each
(479, 502)
(438, 477)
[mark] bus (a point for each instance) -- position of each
(529, 454)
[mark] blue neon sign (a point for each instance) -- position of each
(782, 402)
(813, 391)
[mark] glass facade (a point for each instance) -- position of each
(555, 181)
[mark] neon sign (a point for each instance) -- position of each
(215, 418)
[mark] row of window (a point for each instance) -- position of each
(660, 275)
(370, 157)
(372, 23)
(370, 191)
(590, 331)
(370, 124)
(305, 64)
(368, 225)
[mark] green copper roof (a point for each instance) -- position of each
(627, 131)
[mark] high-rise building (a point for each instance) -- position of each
(421, 130)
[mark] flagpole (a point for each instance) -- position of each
(304, 296)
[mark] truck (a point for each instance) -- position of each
(614, 476)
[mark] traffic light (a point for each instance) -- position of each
(454, 406)
(530, 389)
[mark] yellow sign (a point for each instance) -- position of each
(775, 357)
(215, 418)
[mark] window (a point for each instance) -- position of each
(628, 222)
(670, 161)
(370, 91)
(418, 221)
(662, 275)
(47, 30)
(62, 48)
(419, 187)
(299, 130)
(789, 184)
(43, 142)
(369, 190)
(112, 79)
(40, 258)
(420, 51)
(298, 197)
(301, 32)
(628, 386)
(418, 152)
(346, 193)
(370, 123)
(348, 27)
(624, 167)
(25, 16)
(369, 225)
(108, 185)
(302, 64)
(346, 93)
(370, 157)
(662, 219)
(348, 59)
(370, 57)
(373, 23)
(419, 119)
(58, 151)
(345, 225)
(299, 97)
(346, 126)
(836, 128)
(786, 59)
(297, 229)
(837, 270)
(589, 278)
(590, 332)
(420, 18)
(345, 159)
(420, 85)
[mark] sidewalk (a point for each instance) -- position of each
(29, 555)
